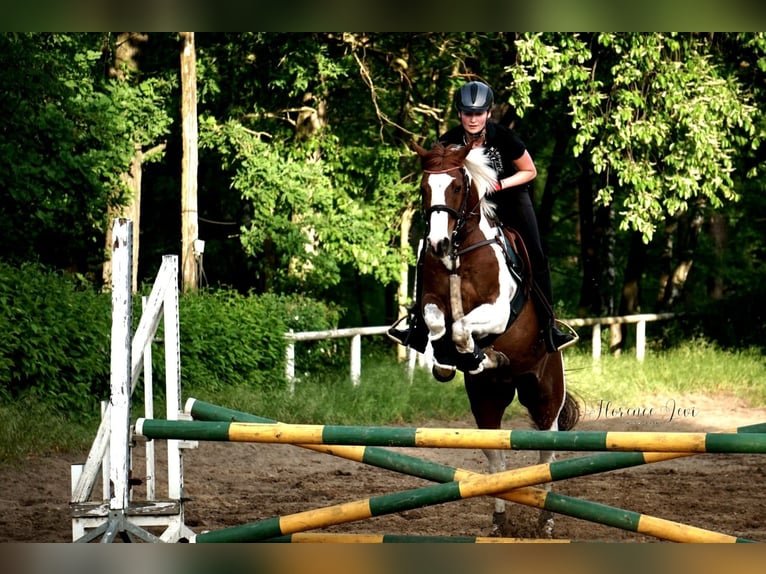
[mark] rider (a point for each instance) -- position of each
(515, 170)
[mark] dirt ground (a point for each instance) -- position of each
(230, 484)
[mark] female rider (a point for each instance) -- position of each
(515, 170)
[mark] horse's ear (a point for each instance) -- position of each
(421, 151)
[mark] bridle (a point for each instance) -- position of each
(461, 217)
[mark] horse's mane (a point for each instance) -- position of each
(477, 166)
(479, 169)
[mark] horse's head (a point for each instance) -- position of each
(454, 181)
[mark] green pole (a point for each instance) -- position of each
(672, 442)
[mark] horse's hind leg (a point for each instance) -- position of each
(544, 398)
(489, 398)
(496, 460)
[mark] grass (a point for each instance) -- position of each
(30, 427)
(384, 396)
(387, 396)
(694, 367)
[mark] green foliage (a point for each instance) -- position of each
(68, 136)
(36, 426)
(232, 340)
(696, 366)
(55, 342)
(308, 218)
(659, 118)
(385, 396)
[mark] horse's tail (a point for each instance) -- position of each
(570, 413)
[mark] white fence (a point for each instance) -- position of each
(356, 333)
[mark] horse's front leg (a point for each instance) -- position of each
(487, 319)
(436, 322)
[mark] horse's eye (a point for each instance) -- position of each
(457, 189)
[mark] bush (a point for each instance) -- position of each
(55, 338)
(228, 339)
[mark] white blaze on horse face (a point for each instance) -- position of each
(438, 223)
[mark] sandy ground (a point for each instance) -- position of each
(231, 484)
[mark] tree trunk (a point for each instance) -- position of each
(688, 229)
(548, 199)
(718, 229)
(597, 249)
(590, 290)
(605, 239)
(189, 162)
(126, 49)
(666, 260)
(402, 294)
(630, 302)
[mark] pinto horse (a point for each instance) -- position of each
(477, 303)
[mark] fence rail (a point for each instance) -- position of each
(356, 333)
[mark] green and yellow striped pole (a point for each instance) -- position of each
(343, 538)
(674, 442)
(562, 504)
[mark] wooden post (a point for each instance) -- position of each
(290, 364)
(173, 382)
(122, 233)
(356, 359)
(151, 478)
(596, 341)
(640, 340)
(189, 161)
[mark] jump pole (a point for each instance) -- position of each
(343, 538)
(401, 501)
(481, 485)
(654, 442)
(529, 496)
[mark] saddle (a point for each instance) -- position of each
(520, 266)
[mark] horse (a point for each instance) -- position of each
(477, 302)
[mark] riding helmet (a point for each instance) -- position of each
(474, 97)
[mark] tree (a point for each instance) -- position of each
(149, 122)
(64, 143)
(69, 148)
(658, 120)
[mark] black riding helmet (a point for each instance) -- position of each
(474, 97)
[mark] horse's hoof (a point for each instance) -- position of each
(545, 525)
(499, 525)
(443, 374)
(501, 358)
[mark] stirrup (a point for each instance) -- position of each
(572, 333)
(400, 336)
